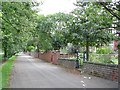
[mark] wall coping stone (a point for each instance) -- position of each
(66, 59)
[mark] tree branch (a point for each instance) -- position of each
(9, 23)
(109, 10)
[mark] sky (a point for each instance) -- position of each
(55, 6)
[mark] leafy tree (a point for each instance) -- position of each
(59, 29)
(17, 22)
(90, 26)
(42, 33)
(50, 31)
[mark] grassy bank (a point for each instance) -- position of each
(5, 71)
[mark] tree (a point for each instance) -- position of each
(90, 26)
(17, 19)
(59, 29)
(50, 31)
(43, 31)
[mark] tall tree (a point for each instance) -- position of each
(59, 29)
(17, 19)
(90, 26)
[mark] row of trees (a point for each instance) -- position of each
(90, 24)
(17, 23)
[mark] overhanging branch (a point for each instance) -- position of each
(109, 10)
(9, 23)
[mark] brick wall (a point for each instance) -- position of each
(101, 70)
(49, 56)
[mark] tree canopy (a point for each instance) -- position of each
(90, 24)
(17, 22)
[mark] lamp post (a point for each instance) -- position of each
(77, 60)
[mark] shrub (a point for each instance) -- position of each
(30, 48)
(118, 46)
(104, 51)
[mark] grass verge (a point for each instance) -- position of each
(5, 71)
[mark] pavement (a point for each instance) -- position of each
(29, 72)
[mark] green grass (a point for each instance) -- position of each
(5, 71)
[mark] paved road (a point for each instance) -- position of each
(29, 72)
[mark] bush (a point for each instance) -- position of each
(104, 51)
(30, 48)
(105, 59)
(118, 46)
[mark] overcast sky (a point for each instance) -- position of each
(54, 6)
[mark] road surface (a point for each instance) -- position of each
(29, 72)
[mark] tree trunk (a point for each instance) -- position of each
(5, 54)
(87, 49)
(38, 50)
(5, 49)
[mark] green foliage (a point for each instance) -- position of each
(30, 48)
(50, 31)
(5, 71)
(58, 29)
(118, 46)
(104, 58)
(63, 50)
(104, 50)
(90, 24)
(18, 21)
(112, 7)
(1, 57)
(57, 40)
(42, 32)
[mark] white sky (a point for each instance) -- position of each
(55, 6)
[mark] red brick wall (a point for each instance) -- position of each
(49, 56)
